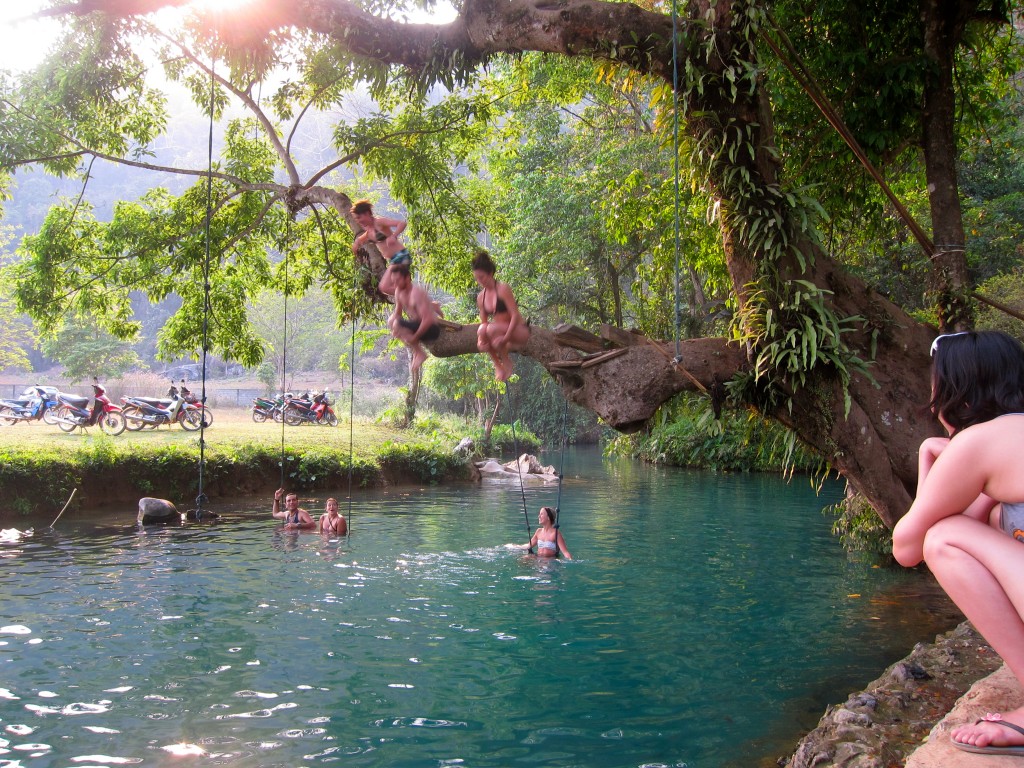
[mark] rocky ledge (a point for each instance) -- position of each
(881, 726)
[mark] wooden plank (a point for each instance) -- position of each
(620, 337)
(568, 335)
(598, 359)
(565, 364)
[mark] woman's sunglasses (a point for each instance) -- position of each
(941, 336)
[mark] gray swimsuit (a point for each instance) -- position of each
(1011, 519)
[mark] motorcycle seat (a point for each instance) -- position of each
(159, 402)
(75, 400)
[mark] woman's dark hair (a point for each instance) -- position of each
(362, 206)
(482, 261)
(552, 515)
(977, 376)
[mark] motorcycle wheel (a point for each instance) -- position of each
(6, 419)
(190, 419)
(133, 420)
(278, 415)
(329, 418)
(112, 423)
(50, 416)
(259, 416)
(207, 416)
(292, 418)
(67, 422)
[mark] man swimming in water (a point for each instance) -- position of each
(292, 514)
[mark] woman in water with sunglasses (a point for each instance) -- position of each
(967, 522)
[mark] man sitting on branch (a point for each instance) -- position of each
(420, 321)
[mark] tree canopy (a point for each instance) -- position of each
(552, 128)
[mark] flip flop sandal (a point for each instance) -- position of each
(990, 750)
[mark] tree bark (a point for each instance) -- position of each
(944, 22)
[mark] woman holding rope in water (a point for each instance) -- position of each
(547, 539)
(967, 522)
(502, 329)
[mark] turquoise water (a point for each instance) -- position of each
(707, 620)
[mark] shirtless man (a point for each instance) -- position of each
(292, 514)
(420, 323)
(382, 232)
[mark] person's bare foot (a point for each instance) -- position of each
(993, 730)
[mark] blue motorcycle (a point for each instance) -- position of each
(35, 403)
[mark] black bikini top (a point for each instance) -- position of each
(500, 307)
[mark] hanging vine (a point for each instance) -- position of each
(789, 324)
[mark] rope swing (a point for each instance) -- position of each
(201, 497)
(561, 469)
(519, 465)
(351, 368)
(284, 349)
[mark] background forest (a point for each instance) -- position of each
(569, 169)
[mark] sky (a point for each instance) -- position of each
(24, 42)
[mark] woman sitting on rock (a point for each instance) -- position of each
(967, 522)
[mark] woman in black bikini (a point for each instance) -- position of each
(331, 523)
(502, 329)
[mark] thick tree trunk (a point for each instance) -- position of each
(944, 22)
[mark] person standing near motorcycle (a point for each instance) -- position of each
(332, 523)
(293, 515)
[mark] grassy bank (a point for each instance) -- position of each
(40, 465)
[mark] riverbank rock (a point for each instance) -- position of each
(157, 512)
(526, 467)
(998, 692)
(880, 726)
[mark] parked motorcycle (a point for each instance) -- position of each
(314, 410)
(151, 412)
(186, 394)
(73, 413)
(264, 408)
(35, 403)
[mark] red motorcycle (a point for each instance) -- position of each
(72, 412)
(315, 410)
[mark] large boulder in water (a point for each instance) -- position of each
(157, 512)
(526, 470)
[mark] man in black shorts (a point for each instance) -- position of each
(420, 321)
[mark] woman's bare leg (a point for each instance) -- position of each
(982, 571)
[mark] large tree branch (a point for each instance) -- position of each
(578, 27)
(624, 390)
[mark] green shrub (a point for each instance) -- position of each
(858, 526)
(425, 462)
(687, 434)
